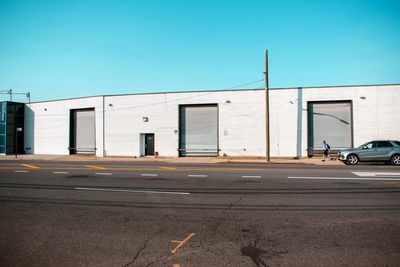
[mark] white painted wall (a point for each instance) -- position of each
(47, 125)
(241, 120)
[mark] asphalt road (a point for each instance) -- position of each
(156, 214)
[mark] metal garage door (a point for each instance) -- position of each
(198, 128)
(83, 131)
(330, 121)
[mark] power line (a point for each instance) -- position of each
(161, 102)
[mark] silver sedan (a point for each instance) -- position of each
(387, 151)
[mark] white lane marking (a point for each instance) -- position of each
(346, 178)
(377, 174)
(21, 171)
(131, 191)
(103, 173)
(197, 175)
(251, 176)
(60, 172)
(149, 174)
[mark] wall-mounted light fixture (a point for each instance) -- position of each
(110, 105)
(145, 119)
(228, 101)
(363, 97)
(45, 109)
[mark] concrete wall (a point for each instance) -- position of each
(47, 125)
(241, 119)
(375, 114)
(241, 127)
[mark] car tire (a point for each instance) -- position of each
(395, 159)
(352, 159)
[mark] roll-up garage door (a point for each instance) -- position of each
(332, 122)
(198, 128)
(83, 132)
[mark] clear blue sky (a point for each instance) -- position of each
(59, 49)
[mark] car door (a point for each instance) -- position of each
(367, 151)
(383, 150)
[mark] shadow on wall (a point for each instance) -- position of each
(29, 131)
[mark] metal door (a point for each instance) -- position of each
(198, 130)
(83, 136)
(149, 144)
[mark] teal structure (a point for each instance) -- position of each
(11, 128)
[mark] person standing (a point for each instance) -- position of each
(326, 147)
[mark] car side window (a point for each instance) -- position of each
(369, 145)
(387, 144)
(383, 144)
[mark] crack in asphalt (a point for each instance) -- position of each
(139, 251)
(256, 251)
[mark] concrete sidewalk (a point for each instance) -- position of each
(311, 161)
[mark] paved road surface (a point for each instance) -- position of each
(156, 214)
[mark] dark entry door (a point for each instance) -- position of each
(149, 144)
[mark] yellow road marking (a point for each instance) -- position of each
(181, 243)
(96, 167)
(168, 168)
(30, 166)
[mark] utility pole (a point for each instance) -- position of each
(267, 148)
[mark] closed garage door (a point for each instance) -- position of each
(198, 128)
(330, 121)
(83, 131)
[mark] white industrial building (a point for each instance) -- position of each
(214, 123)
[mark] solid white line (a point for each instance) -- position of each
(251, 176)
(103, 173)
(60, 172)
(149, 174)
(377, 174)
(131, 191)
(197, 175)
(346, 178)
(21, 171)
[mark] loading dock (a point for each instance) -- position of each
(82, 131)
(198, 130)
(330, 121)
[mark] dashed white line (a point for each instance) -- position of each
(131, 191)
(103, 173)
(345, 178)
(149, 174)
(21, 171)
(251, 176)
(197, 175)
(60, 172)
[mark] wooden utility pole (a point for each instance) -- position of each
(266, 108)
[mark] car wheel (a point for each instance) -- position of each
(352, 159)
(395, 160)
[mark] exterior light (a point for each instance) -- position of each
(110, 105)
(145, 119)
(363, 97)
